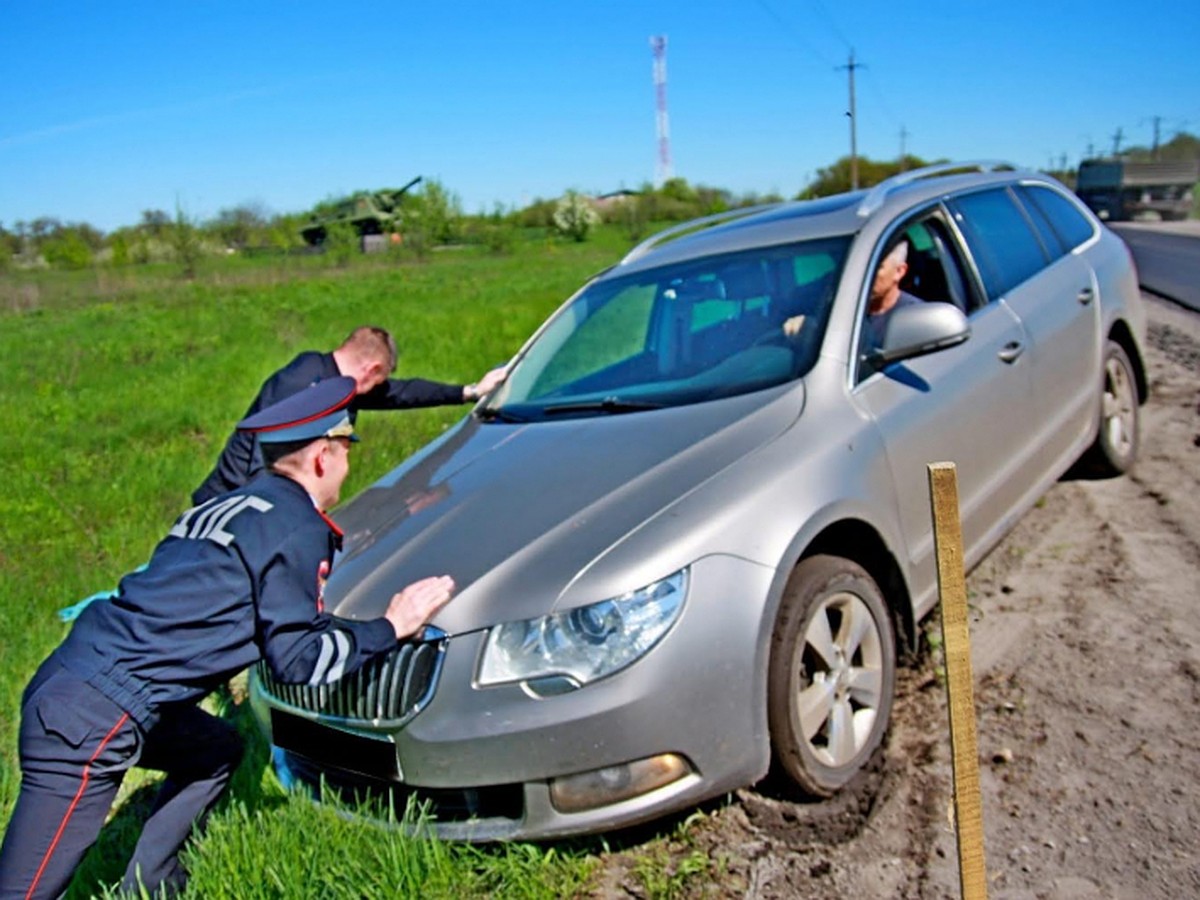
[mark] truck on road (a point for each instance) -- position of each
(1117, 190)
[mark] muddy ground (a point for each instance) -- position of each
(1085, 631)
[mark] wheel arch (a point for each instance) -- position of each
(1121, 333)
(860, 542)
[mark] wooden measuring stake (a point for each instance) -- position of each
(952, 586)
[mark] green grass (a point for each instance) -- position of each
(118, 393)
(300, 850)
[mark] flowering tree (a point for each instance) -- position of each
(574, 216)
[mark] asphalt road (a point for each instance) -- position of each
(1167, 257)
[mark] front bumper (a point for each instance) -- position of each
(486, 759)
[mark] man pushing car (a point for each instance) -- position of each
(238, 578)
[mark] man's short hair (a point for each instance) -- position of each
(373, 343)
(899, 253)
(272, 454)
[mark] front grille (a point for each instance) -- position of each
(388, 690)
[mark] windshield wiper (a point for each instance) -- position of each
(608, 405)
(499, 413)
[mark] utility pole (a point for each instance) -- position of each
(903, 154)
(851, 66)
(1117, 142)
(1154, 147)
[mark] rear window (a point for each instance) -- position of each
(1071, 225)
(1001, 238)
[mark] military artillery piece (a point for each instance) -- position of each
(371, 213)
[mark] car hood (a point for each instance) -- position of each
(517, 513)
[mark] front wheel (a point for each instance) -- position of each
(832, 674)
(1116, 443)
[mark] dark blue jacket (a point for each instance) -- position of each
(237, 579)
(241, 459)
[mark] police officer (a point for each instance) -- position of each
(368, 355)
(236, 579)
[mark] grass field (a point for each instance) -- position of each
(119, 391)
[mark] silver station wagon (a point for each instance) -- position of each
(692, 531)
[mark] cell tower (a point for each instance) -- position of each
(663, 171)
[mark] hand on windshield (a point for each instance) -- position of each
(486, 384)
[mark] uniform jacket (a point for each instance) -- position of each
(241, 459)
(237, 579)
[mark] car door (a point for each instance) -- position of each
(966, 404)
(1024, 265)
(1060, 308)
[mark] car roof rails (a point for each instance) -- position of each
(691, 225)
(875, 197)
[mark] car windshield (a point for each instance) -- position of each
(679, 334)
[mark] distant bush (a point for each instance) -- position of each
(341, 243)
(435, 214)
(500, 237)
(630, 214)
(574, 216)
(497, 231)
(538, 214)
(119, 251)
(240, 226)
(67, 250)
(148, 249)
(284, 233)
(186, 243)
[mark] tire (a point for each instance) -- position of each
(1116, 445)
(831, 677)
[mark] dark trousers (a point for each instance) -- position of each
(76, 746)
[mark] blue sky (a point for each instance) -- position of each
(110, 109)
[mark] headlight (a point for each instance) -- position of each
(586, 643)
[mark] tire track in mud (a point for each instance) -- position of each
(1091, 713)
(1091, 710)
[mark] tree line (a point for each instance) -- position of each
(428, 217)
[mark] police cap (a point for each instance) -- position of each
(320, 410)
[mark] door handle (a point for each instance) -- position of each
(1011, 351)
(1086, 295)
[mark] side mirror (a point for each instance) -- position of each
(920, 329)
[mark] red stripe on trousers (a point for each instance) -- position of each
(71, 809)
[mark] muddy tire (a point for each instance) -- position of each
(832, 675)
(1116, 445)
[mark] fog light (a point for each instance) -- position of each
(600, 787)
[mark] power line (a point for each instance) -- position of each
(830, 22)
(787, 27)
